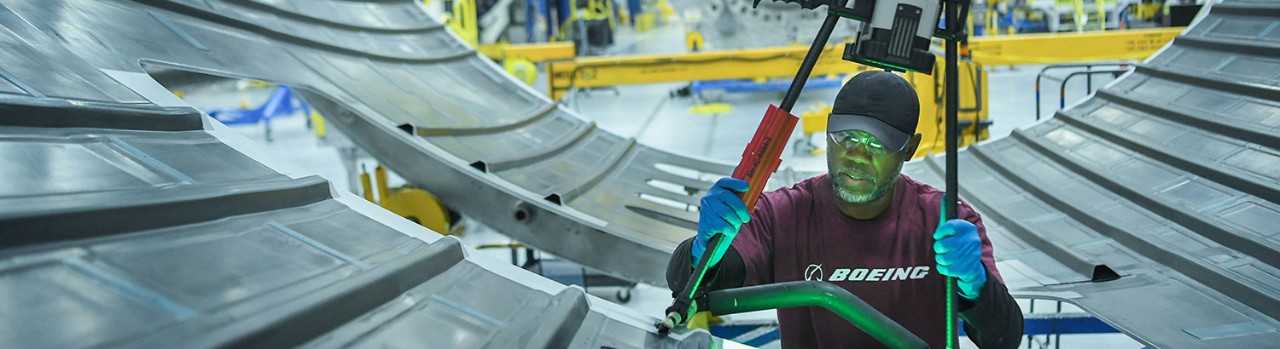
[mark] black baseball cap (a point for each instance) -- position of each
(880, 103)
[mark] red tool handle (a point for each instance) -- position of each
(763, 155)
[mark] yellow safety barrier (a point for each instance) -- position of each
(532, 52)
(779, 62)
(542, 52)
(643, 69)
(1070, 47)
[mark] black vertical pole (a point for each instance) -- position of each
(811, 58)
(953, 187)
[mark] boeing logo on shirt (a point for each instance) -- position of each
(811, 270)
(865, 274)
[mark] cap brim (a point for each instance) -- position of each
(891, 137)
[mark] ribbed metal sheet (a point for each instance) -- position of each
(1167, 178)
(128, 223)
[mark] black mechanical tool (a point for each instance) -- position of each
(891, 38)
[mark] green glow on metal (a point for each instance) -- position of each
(718, 250)
(815, 293)
(801, 299)
(888, 65)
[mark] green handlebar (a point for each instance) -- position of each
(819, 294)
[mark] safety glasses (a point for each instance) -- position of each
(848, 140)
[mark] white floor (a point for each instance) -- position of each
(649, 114)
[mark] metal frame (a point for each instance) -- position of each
(1160, 183)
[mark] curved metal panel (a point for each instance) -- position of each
(131, 220)
(1166, 179)
(1153, 204)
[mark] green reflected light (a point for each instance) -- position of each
(819, 294)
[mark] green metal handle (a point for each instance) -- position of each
(815, 294)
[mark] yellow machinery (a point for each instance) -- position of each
(693, 40)
(1070, 47)
(522, 69)
(317, 124)
(1147, 10)
(532, 52)
(973, 116)
(585, 72)
(782, 62)
(594, 11)
(416, 205)
(464, 22)
(519, 59)
(648, 20)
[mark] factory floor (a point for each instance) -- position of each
(651, 115)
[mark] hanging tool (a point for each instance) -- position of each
(892, 41)
(761, 158)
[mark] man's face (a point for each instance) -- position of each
(862, 168)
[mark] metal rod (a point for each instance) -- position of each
(1031, 338)
(815, 294)
(1062, 90)
(953, 187)
(678, 312)
(1057, 338)
(811, 58)
(1042, 72)
(1088, 81)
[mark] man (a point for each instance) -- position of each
(862, 226)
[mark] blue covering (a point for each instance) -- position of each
(283, 102)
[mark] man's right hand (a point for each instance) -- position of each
(721, 212)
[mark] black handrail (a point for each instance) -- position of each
(1087, 66)
(1062, 90)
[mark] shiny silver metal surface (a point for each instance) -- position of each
(128, 219)
(481, 141)
(1167, 179)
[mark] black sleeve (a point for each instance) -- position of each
(994, 320)
(729, 273)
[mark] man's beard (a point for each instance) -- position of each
(847, 195)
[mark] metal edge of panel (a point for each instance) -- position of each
(548, 217)
(293, 325)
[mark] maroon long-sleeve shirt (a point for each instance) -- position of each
(798, 233)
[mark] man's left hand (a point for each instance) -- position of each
(959, 255)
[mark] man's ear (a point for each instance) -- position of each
(910, 149)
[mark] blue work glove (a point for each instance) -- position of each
(721, 212)
(959, 255)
